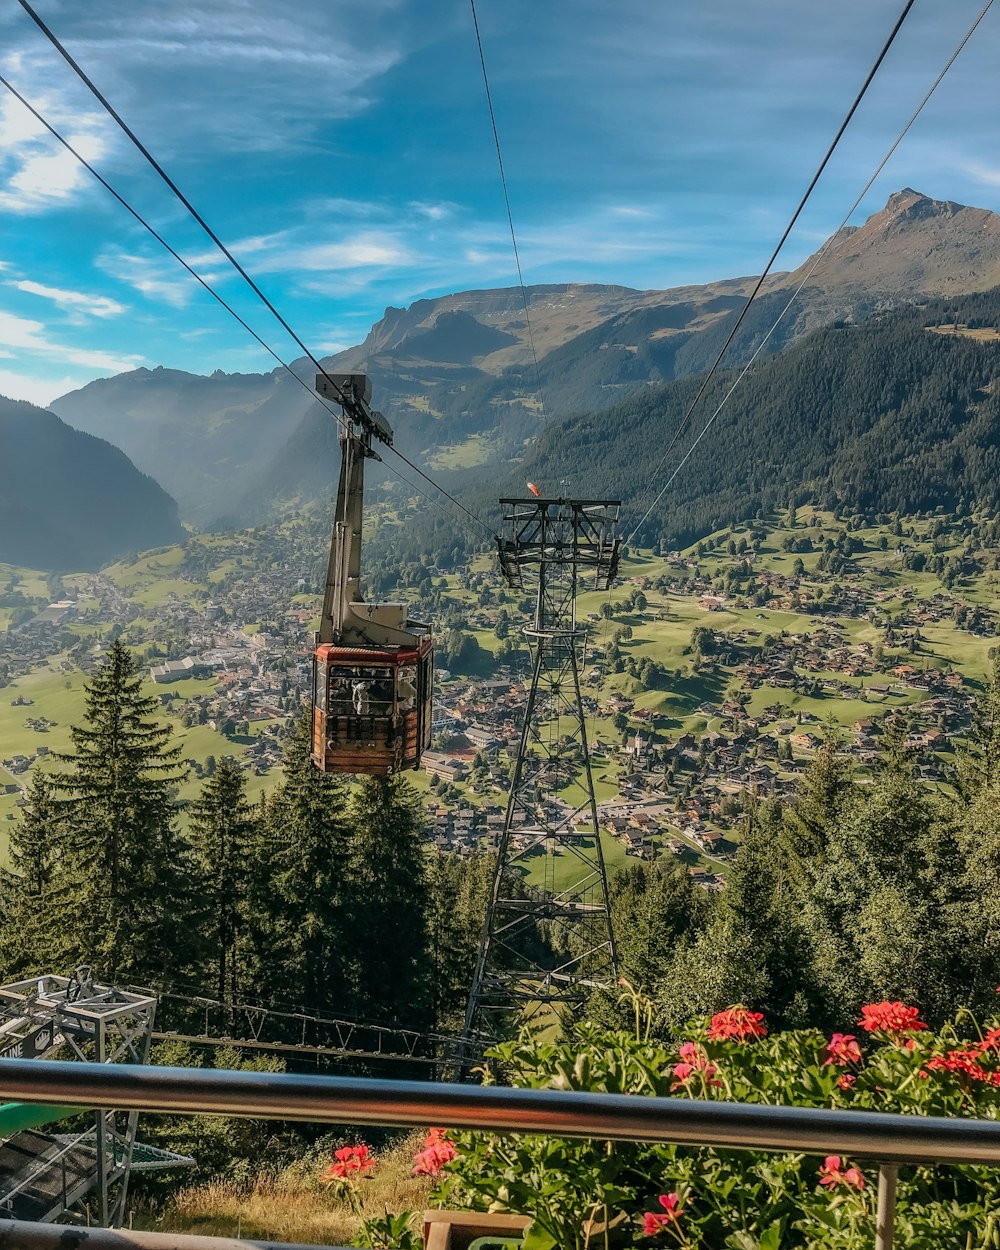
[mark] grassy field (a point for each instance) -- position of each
(475, 450)
(294, 1206)
(560, 870)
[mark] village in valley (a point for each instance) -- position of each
(711, 676)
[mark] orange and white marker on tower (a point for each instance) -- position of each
(534, 490)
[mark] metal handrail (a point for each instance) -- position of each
(880, 1136)
(40, 1164)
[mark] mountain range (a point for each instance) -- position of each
(70, 501)
(456, 375)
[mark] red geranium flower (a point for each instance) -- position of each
(842, 1049)
(831, 1174)
(348, 1161)
(964, 1063)
(847, 1080)
(693, 1059)
(737, 1024)
(653, 1222)
(892, 1018)
(437, 1150)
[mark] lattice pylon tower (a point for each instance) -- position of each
(546, 947)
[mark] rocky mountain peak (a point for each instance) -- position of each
(914, 245)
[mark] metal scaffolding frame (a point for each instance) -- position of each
(93, 1023)
(547, 947)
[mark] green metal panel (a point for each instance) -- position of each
(15, 1117)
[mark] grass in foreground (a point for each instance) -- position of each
(293, 1206)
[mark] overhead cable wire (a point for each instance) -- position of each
(781, 242)
(202, 281)
(157, 236)
(506, 200)
(816, 261)
(179, 194)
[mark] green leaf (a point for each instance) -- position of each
(537, 1238)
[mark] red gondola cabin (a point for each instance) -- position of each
(372, 708)
(373, 668)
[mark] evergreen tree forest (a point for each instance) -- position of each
(322, 898)
(855, 893)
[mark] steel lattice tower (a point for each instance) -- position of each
(548, 946)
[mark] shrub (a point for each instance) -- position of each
(587, 1193)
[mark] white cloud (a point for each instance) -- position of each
(94, 305)
(31, 336)
(632, 210)
(359, 251)
(35, 171)
(40, 391)
(989, 175)
(318, 63)
(155, 279)
(434, 212)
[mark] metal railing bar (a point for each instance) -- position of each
(353, 1100)
(20, 1235)
(885, 1208)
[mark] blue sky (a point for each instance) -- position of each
(342, 148)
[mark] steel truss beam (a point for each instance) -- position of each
(94, 1024)
(545, 948)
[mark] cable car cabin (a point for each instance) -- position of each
(371, 708)
(373, 667)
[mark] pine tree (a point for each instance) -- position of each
(300, 908)
(386, 940)
(881, 912)
(978, 760)
(458, 890)
(222, 834)
(28, 941)
(122, 898)
(822, 795)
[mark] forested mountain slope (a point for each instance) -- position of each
(899, 412)
(455, 375)
(72, 501)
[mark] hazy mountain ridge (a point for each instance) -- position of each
(201, 437)
(447, 369)
(69, 500)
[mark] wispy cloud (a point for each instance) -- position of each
(24, 334)
(265, 80)
(160, 278)
(73, 301)
(988, 175)
(36, 173)
(369, 249)
(40, 388)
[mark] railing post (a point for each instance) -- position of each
(885, 1210)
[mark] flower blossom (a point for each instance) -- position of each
(831, 1174)
(842, 1049)
(736, 1024)
(846, 1081)
(693, 1060)
(965, 1063)
(653, 1222)
(436, 1151)
(893, 1018)
(348, 1161)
